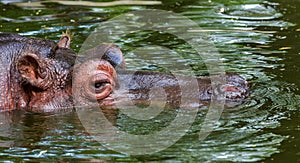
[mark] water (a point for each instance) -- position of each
(257, 39)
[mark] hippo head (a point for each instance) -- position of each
(45, 69)
(95, 77)
(96, 83)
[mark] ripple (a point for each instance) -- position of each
(250, 12)
(243, 132)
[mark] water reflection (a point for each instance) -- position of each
(243, 32)
(38, 4)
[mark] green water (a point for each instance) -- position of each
(256, 39)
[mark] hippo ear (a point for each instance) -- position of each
(31, 68)
(107, 52)
(65, 40)
(114, 55)
(110, 53)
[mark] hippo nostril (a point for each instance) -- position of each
(209, 91)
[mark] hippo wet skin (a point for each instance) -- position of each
(41, 75)
(105, 82)
(35, 73)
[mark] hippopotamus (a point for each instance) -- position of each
(97, 83)
(42, 75)
(104, 81)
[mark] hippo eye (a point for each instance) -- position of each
(98, 86)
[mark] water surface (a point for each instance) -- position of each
(255, 38)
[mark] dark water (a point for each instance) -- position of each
(255, 38)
